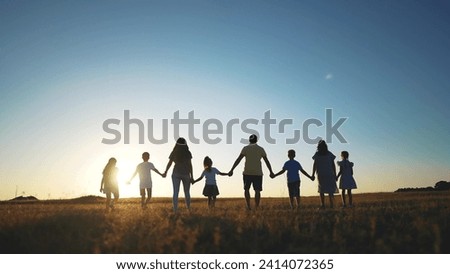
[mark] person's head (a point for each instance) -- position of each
(344, 155)
(112, 161)
(181, 141)
(145, 156)
(291, 154)
(322, 147)
(111, 164)
(181, 149)
(181, 145)
(253, 139)
(207, 163)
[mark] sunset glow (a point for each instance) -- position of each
(67, 67)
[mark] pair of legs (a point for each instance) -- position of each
(144, 202)
(294, 202)
(350, 197)
(109, 202)
(211, 201)
(256, 181)
(294, 194)
(211, 191)
(322, 199)
(176, 181)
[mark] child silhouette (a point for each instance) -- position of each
(210, 190)
(145, 178)
(347, 182)
(293, 178)
(109, 183)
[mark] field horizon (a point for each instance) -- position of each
(92, 198)
(387, 223)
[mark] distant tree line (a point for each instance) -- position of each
(439, 186)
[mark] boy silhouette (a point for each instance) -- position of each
(293, 178)
(145, 178)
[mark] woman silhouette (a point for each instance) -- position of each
(182, 172)
(326, 173)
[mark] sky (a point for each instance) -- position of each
(66, 67)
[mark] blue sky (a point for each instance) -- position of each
(66, 66)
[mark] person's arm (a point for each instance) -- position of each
(169, 164)
(306, 174)
(339, 174)
(199, 179)
(268, 165)
(157, 171)
(134, 174)
(191, 175)
(220, 173)
(102, 184)
(313, 171)
(279, 173)
(236, 163)
(334, 168)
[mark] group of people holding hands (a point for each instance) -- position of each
(182, 174)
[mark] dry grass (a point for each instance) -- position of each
(380, 223)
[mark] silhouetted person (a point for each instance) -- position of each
(182, 172)
(252, 174)
(293, 178)
(145, 178)
(210, 190)
(347, 182)
(109, 183)
(326, 172)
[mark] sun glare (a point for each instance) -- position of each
(126, 170)
(128, 157)
(126, 165)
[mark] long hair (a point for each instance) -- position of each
(109, 166)
(207, 163)
(181, 150)
(322, 148)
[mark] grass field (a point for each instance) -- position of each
(379, 223)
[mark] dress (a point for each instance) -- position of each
(346, 181)
(110, 181)
(325, 175)
(210, 188)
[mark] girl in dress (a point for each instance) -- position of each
(210, 190)
(347, 182)
(109, 183)
(326, 173)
